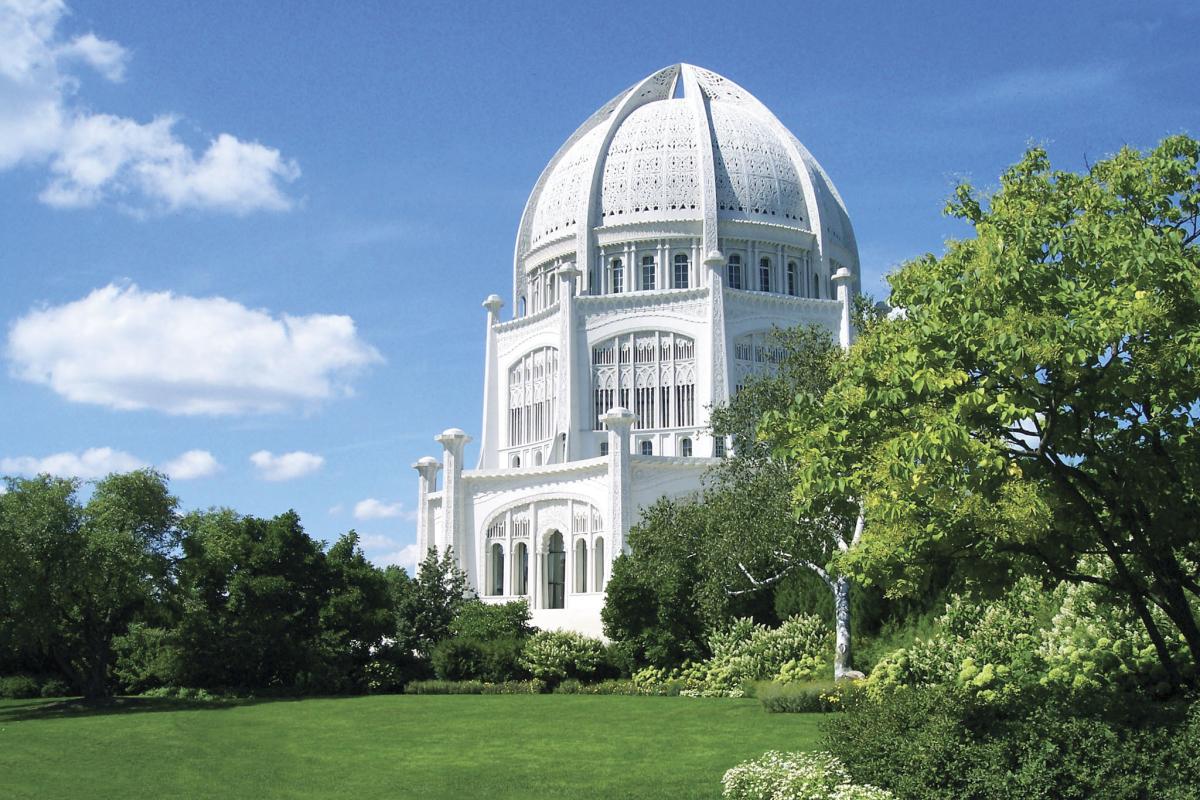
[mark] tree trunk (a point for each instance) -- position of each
(841, 623)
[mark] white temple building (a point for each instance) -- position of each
(661, 244)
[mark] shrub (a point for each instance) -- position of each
(490, 621)
(553, 656)
(146, 658)
(474, 687)
(795, 776)
(803, 698)
(744, 652)
(19, 687)
(185, 693)
(495, 660)
(943, 743)
(55, 687)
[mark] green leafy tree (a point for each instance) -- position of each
(355, 617)
(253, 591)
(756, 538)
(1035, 399)
(427, 604)
(74, 577)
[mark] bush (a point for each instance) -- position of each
(553, 656)
(146, 658)
(795, 776)
(495, 660)
(185, 693)
(942, 743)
(744, 653)
(55, 687)
(802, 698)
(19, 687)
(488, 621)
(474, 687)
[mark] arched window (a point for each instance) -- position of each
(521, 306)
(647, 448)
(532, 396)
(764, 274)
(618, 276)
(682, 269)
(520, 582)
(537, 458)
(816, 286)
(598, 580)
(604, 448)
(685, 448)
(719, 447)
(496, 577)
(580, 565)
(791, 278)
(516, 462)
(733, 271)
(556, 572)
(652, 373)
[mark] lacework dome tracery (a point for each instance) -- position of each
(681, 147)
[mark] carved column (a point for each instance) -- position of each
(719, 376)
(453, 440)
(427, 468)
(841, 279)
(568, 364)
(489, 444)
(620, 475)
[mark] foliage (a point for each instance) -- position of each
(474, 687)
(553, 656)
(147, 657)
(938, 743)
(744, 652)
(793, 697)
(72, 576)
(427, 604)
(463, 658)
(19, 687)
(795, 776)
(476, 619)
(1035, 399)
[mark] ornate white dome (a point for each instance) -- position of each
(713, 157)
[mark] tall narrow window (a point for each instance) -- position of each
(556, 572)
(580, 565)
(719, 447)
(791, 278)
(618, 276)
(521, 569)
(598, 581)
(647, 448)
(734, 271)
(816, 286)
(604, 448)
(532, 397)
(652, 373)
(764, 274)
(681, 270)
(685, 448)
(647, 272)
(497, 569)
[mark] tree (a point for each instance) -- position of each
(253, 591)
(427, 604)
(74, 576)
(355, 617)
(1034, 403)
(756, 538)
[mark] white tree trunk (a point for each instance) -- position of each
(841, 621)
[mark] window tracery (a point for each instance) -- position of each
(652, 373)
(755, 354)
(532, 396)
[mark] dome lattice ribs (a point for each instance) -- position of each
(695, 164)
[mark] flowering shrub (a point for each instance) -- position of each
(744, 652)
(778, 697)
(552, 656)
(795, 776)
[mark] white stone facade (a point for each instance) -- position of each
(664, 240)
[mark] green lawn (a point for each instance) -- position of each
(490, 746)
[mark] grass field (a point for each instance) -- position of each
(490, 746)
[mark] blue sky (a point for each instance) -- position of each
(259, 234)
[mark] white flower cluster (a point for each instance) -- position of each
(796, 776)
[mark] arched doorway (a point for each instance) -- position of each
(556, 571)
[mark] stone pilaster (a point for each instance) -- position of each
(489, 444)
(427, 468)
(842, 280)
(620, 475)
(453, 440)
(568, 367)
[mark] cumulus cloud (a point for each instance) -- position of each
(405, 557)
(95, 462)
(191, 465)
(373, 541)
(377, 509)
(128, 349)
(285, 466)
(95, 157)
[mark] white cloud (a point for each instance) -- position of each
(285, 466)
(96, 157)
(334, 510)
(192, 464)
(128, 349)
(377, 509)
(405, 557)
(95, 462)
(371, 541)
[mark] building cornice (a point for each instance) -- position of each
(596, 465)
(527, 321)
